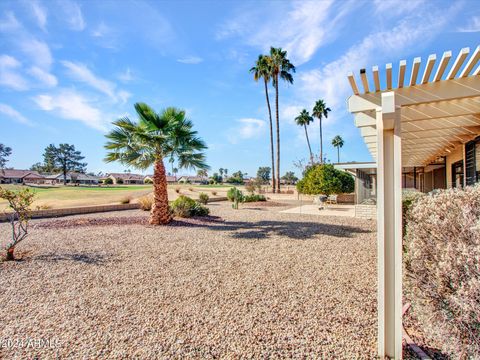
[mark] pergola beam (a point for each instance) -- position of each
(428, 69)
(462, 55)
(414, 74)
(471, 63)
(443, 65)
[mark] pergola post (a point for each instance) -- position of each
(389, 238)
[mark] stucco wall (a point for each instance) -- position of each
(453, 157)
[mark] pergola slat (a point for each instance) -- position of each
(462, 55)
(428, 69)
(388, 72)
(376, 79)
(353, 84)
(401, 73)
(416, 65)
(363, 77)
(443, 65)
(471, 63)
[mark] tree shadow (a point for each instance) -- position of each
(91, 259)
(299, 230)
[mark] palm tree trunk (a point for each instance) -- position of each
(338, 154)
(271, 137)
(160, 213)
(321, 141)
(308, 143)
(278, 133)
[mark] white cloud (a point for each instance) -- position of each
(72, 105)
(14, 114)
(9, 22)
(472, 26)
(9, 73)
(40, 14)
(301, 28)
(73, 15)
(190, 60)
(247, 128)
(123, 96)
(391, 8)
(38, 51)
(83, 74)
(43, 76)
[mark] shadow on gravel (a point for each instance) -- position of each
(263, 229)
(91, 259)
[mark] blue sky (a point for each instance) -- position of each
(69, 68)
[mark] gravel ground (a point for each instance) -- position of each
(244, 284)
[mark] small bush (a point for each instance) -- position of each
(254, 198)
(203, 198)
(108, 181)
(146, 202)
(214, 193)
(43, 207)
(442, 273)
(191, 189)
(187, 207)
(119, 181)
(125, 200)
(177, 190)
(250, 187)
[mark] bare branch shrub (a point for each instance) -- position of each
(442, 268)
(19, 202)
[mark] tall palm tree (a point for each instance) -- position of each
(153, 139)
(338, 142)
(320, 110)
(263, 70)
(281, 68)
(304, 119)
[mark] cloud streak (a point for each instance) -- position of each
(247, 128)
(14, 114)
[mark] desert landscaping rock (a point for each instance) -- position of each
(246, 284)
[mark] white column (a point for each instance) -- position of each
(389, 237)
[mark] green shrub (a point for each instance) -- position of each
(203, 198)
(146, 202)
(214, 193)
(108, 181)
(326, 180)
(236, 196)
(254, 198)
(442, 273)
(120, 181)
(187, 207)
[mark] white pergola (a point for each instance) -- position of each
(411, 123)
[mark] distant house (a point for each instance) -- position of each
(170, 179)
(126, 178)
(72, 178)
(14, 176)
(198, 180)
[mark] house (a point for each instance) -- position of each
(196, 180)
(170, 179)
(422, 129)
(126, 178)
(14, 176)
(72, 178)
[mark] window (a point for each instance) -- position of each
(457, 174)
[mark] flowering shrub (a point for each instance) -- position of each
(442, 268)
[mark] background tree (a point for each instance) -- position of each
(263, 174)
(236, 178)
(220, 171)
(225, 171)
(175, 172)
(338, 142)
(5, 152)
(65, 158)
(263, 70)
(289, 178)
(202, 173)
(320, 111)
(49, 159)
(281, 68)
(304, 119)
(155, 137)
(217, 179)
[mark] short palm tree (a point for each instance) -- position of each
(281, 68)
(338, 142)
(320, 110)
(263, 70)
(304, 119)
(153, 139)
